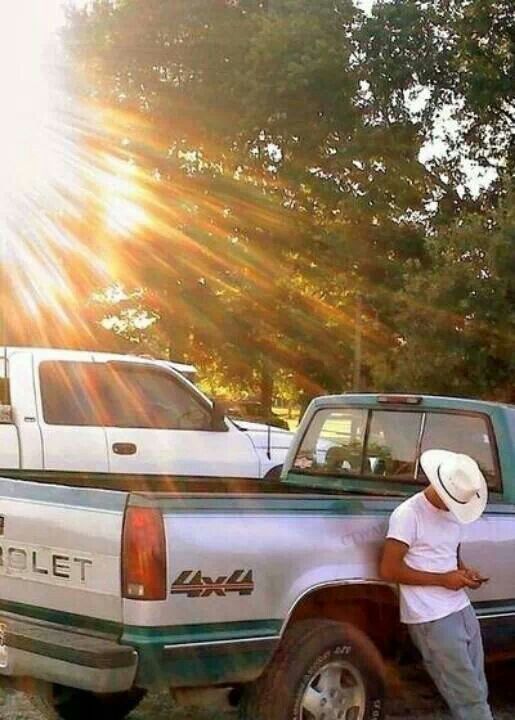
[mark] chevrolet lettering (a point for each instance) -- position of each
(43, 562)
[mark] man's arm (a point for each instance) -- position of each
(393, 569)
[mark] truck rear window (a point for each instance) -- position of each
(334, 442)
(468, 434)
(392, 443)
(388, 443)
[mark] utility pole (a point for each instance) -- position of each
(356, 382)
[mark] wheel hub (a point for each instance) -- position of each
(335, 692)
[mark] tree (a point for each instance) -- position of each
(277, 152)
(456, 321)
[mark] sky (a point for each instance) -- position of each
(365, 5)
(26, 31)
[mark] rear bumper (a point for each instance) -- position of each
(66, 656)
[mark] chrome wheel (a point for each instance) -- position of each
(336, 692)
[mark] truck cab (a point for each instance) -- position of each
(90, 412)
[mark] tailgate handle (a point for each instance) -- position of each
(124, 448)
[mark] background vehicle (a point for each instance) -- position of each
(270, 589)
(94, 412)
(254, 411)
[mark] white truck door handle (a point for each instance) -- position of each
(126, 448)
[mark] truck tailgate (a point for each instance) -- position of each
(60, 551)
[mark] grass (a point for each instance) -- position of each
(159, 706)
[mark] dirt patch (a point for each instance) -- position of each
(413, 698)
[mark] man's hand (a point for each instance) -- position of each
(393, 569)
(459, 579)
(474, 574)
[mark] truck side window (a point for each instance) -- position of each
(392, 443)
(333, 443)
(467, 434)
(142, 397)
(69, 393)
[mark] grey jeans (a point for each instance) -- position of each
(452, 651)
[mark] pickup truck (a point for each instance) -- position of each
(268, 591)
(95, 413)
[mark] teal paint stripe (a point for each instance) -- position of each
(344, 505)
(200, 633)
(379, 488)
(152, 635)
(59, 617)
(281, 504)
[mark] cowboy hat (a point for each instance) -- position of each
(458, 481)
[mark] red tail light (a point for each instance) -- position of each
(143, 555)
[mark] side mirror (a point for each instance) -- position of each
(218, 423)
(6, 415)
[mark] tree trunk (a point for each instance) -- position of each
(358, 320)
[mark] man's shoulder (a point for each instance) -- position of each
(409, 509)
(410, 506)
(404, 521)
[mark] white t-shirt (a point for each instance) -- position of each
(433, 537)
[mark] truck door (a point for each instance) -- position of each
(71, 428)
(24, 408)
(157, 423)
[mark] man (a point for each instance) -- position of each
(422, 554)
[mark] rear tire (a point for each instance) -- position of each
(322, 669)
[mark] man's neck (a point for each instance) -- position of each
(435, 499)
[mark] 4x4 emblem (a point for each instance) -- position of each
(193, 584)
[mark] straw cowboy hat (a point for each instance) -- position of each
(458, 481)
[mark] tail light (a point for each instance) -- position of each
(143, 555)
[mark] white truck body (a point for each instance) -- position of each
(91, 412)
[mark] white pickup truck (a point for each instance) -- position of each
(98, 413)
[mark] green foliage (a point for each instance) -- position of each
(277, 148)
(455, 331)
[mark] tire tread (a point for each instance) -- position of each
(259, 698)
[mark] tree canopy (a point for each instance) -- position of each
(287, 162)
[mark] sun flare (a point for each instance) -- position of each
(50, 185)
(26, 79)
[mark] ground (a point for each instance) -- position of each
(415, 700)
